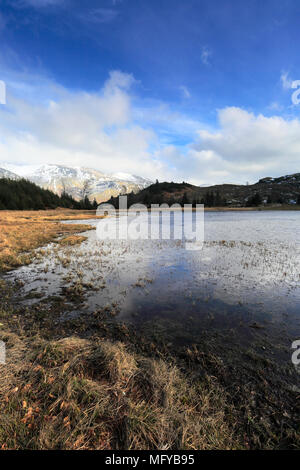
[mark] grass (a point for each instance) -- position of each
(80, 394)
(72, 240)
(92, 383)
(23, 231)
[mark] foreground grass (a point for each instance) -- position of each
(90, 383)
(80, 394)
(93, 383)
(23, 231)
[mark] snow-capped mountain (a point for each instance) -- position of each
(8, 174)
(80, 182)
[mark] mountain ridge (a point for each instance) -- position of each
(8, 174)
(80, 182)
(281, 190)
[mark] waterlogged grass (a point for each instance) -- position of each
(72, 240)
(23, 231)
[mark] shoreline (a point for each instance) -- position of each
(219, 209)
(21, 232)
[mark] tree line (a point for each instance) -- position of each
(25, 195)
(184, 193)
(151, 195)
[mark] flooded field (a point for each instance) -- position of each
(240, 291)
(167, 335)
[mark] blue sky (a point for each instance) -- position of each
(198, 90)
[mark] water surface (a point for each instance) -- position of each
(242, 287)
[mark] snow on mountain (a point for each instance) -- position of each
(133, 178)
(8, 174)
(293, 179)
(81, 182)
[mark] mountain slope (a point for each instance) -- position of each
(282, 190)
(21, 194)
(8, 174)
(80, 182)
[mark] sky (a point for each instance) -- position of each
(174, 90)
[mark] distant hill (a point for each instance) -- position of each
(17, 193)
(21, 194)
(80, 182)
(282, 190)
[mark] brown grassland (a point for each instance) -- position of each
(23, 231)
(75, 393)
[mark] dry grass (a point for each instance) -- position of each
(23, 231)
(78, 394)
(72, 240)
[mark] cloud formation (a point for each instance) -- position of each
(89, 129)
(248, 146)
(113, 131)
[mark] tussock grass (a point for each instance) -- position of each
(80, 394)
(72, 240)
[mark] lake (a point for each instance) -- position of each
(241, 291)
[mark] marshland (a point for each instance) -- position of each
(143, 344)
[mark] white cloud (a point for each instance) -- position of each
(113, 131)
(286, 81)
(275, 106)
(206, 53)
(118, 80)
(88, 129)
(248, 146)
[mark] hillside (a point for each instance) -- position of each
(282, 190)
(21, 194)
(74, 187)
(80, 182)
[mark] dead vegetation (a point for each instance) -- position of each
(23, 231)
(72, 240)
(89, 382)
(77, 394)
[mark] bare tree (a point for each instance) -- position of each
(85, 189)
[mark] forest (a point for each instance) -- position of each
(24, 195)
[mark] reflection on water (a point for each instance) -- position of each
(244, 281)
